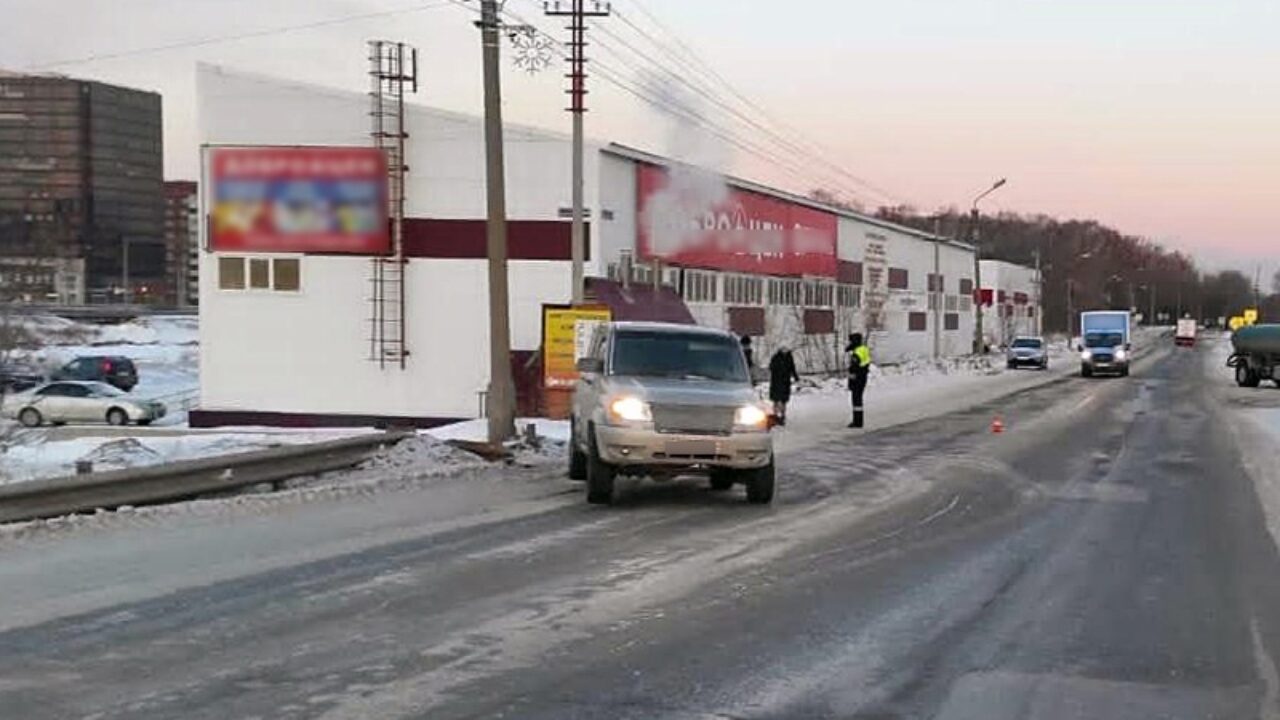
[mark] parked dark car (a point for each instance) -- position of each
(111, 369)
(17, 378)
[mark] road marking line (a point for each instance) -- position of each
(955, 499)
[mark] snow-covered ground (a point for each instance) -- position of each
(32, 454)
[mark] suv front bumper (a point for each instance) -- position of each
(645, 447)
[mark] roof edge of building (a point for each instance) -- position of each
(626, 151)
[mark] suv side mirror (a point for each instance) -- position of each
(590, 365)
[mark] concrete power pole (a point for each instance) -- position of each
(500, 400)
(977, 281)
(577, 14)
(935, 293)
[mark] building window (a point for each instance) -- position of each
(951, 321)
(700, 286)
(286, 274)
(231, 273)
(849, 296)
(966, 287)
(849, 272)
(952, 303)
(784, 291)
(817, 294)
(966, 303)
(936, 283)
(259, 273)
(917, 321)
(898, 278)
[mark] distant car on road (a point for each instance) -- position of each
(1028, 352)
(111, 369)
(662, 400)
(79, 402)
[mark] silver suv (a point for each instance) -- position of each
(663, 400)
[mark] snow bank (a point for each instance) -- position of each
(40, 457)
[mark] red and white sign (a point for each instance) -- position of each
(298, 199)
(731, 229)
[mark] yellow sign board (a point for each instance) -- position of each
(1250, 316)
(566, 330)
(1236, 323)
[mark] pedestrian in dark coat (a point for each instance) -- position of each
(746, 351)
(782, 371)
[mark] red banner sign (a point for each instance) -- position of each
(708, 225)
(299, 199)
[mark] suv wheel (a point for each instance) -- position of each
(721, 479)
(30, 417)
(760, 485)
(1086, 371)
(600, 474)
(116, 416)
(577, 458)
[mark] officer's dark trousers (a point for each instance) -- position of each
(857, 386)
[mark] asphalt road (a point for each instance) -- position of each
(1104, 557)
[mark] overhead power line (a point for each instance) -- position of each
(819, 152)
(267, 32)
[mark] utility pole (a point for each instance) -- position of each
(126, 293)
(577, 14)
(1039, 297)
(935, 293)
(500, 399)
(977, 262)
(1152, 289)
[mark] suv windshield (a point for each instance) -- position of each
(1110, 339)
(694, 356)
(1026, 343)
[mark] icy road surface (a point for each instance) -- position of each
(1107, 556)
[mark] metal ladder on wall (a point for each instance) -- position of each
(392, 67)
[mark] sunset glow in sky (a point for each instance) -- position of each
(1159, 118)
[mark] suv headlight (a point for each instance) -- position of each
(1086, 355)
(630, 409)
(751, 416)
(1121, 354)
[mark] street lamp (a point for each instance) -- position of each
(977, 259)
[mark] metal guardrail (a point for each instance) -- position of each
(184, 479)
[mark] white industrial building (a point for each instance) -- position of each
(286, 338)
(1011, 302)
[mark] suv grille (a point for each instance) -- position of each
(697, 419)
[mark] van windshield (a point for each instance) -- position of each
(1103, 339)
(690, 356)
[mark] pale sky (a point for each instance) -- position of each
(1159, 118)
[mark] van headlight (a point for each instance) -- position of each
(1086, 354)
(751, 416)
(1121, 354)
(630, 409)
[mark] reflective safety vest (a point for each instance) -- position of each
(863, 354)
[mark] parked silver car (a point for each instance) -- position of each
(662, 400)
(79, 402)
(1028, 352)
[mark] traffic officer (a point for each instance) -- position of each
(859, 369)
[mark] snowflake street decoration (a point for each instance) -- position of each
(532, 50)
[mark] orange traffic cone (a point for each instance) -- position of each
(997, 425)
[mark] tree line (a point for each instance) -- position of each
(1088, 265)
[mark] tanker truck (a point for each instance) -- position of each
(1256, 355)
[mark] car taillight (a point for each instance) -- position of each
(106, 366)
